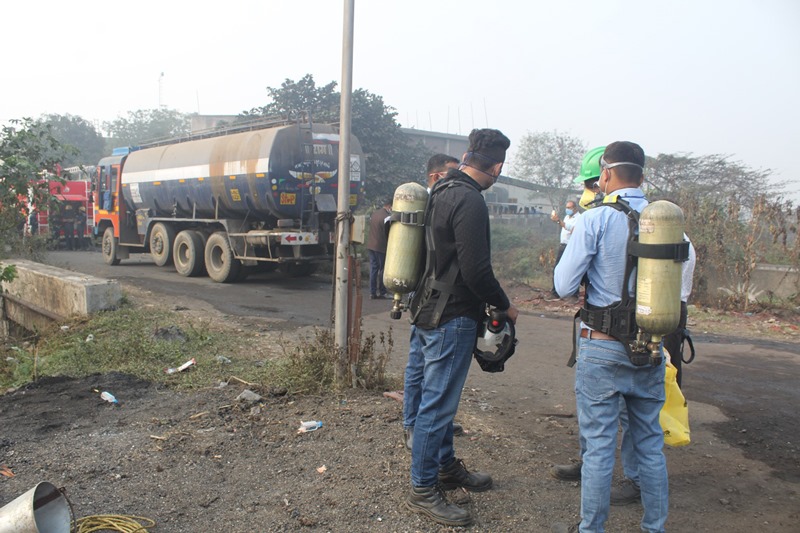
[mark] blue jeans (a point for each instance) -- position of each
(446, 354)
(630, 466)
(412, 386)
(376, 262)
(604, 374)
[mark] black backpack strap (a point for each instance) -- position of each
(687, 338)
(428, 282)
(573, 358)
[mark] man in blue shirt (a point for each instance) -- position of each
(604, 372)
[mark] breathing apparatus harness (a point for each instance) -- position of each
(428, 282)
(495, 330)
(619, 319)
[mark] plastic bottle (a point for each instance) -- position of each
(107, 396)
(311, 425)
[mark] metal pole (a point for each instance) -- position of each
(343, 203)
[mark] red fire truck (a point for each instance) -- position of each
(72, 203)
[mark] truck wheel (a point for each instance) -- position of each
(222, 267)
(162, 237)
(109, 246)
(188, 253)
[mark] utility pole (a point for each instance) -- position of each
(342, 288)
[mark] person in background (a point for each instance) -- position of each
(68, 226)
(33, 222)
(438, 166)
(376, 247)
(80, 228)
(567, 224)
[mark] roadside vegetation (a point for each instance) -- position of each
(145, 342)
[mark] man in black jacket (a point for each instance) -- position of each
(447, 307)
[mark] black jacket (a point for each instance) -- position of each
(461, 231)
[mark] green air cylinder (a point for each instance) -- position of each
(405, 250)
(658, 281)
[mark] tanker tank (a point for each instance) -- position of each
(264, 174)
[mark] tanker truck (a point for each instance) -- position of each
(227, 203)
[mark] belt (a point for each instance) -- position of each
(596, 335)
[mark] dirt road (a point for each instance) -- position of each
(202, 462)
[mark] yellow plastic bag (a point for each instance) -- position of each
(674, 415)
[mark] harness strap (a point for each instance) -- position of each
(428, 283)
(573, 357)
(446, 288)
(674, 251)
(409, 218)
(688, 339)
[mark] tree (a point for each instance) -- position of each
(713, 176)
(549, 159)
(147, 125)
(392, 159)
(28, 148)
(735, 216)
(70, 130)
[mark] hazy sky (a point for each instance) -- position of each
(701, 76)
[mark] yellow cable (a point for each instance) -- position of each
(112, 522)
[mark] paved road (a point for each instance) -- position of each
(272, 296)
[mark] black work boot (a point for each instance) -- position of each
(455, 475)
(430, 501)
(567, 472)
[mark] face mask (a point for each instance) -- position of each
(569, 212)
(587, 197)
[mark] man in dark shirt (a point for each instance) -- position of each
(376, 248)
(68, 225)
(80, 229)
(446, 309)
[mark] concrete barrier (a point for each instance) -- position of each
(41, 294)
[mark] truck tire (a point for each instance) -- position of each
(109, 247)
(188, 253)
(222, 267)
(162, 238)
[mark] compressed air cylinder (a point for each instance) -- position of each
(658, 281)
(405, 250)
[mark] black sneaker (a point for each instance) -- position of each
(627, 492)
(431, 502)
(455, 475)
(567, 472)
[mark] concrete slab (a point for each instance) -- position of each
(49, 290)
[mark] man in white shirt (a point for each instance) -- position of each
(567, 225)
